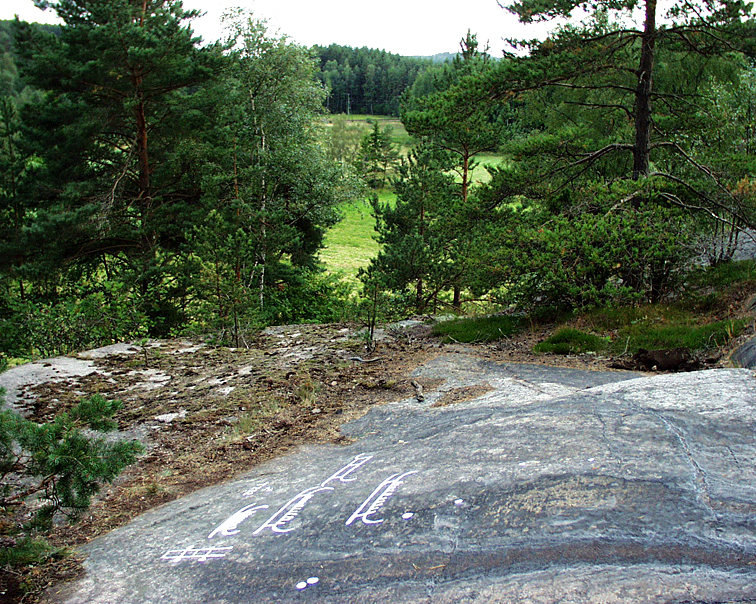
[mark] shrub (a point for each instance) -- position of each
(307, 296)
(649, 326)
(86, 320)
(230, 314)
(589, 260)
(28, 551)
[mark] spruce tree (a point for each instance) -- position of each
(377, 156)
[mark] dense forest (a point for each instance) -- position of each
(151, 185)
(364, 80)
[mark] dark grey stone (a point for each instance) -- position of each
(557, 486)
(745, 355)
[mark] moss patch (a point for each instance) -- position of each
(479, 329)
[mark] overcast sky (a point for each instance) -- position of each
(406, 27)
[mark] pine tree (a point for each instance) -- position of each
(417, 233)
(118, 184)
(59, 462)
(705, 27)
(463, 132)
(623, 91)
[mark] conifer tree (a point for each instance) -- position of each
(418, 231)
(114, 132)
(631, 74)
(377, 156)
(463, 133)
(62, 463)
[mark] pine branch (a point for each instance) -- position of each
(593, 157)
(700, 167)
(733, 212)
(675, 200)
(622, 108)
(590, 87)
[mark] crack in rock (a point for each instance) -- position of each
(701, 486)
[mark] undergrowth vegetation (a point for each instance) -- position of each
(572, 341)
(703, 318)
(629, 338)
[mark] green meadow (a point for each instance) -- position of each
(350, 244)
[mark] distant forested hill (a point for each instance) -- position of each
(442, 57)
(359, 80)
(366, 80)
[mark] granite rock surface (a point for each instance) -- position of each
(555, 485)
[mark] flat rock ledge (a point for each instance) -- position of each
(555, 486)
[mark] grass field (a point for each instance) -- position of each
(399, 134)
(350, 245)
(484, 160)
(402, 139)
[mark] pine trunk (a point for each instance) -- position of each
(641, 151)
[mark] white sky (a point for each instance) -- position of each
(406, 27)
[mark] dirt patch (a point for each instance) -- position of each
(222, 411)
(207, 414)
(460, 395)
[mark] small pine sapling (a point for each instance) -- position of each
(60, 465)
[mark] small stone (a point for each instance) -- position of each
(315, 411)
(167, 418)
